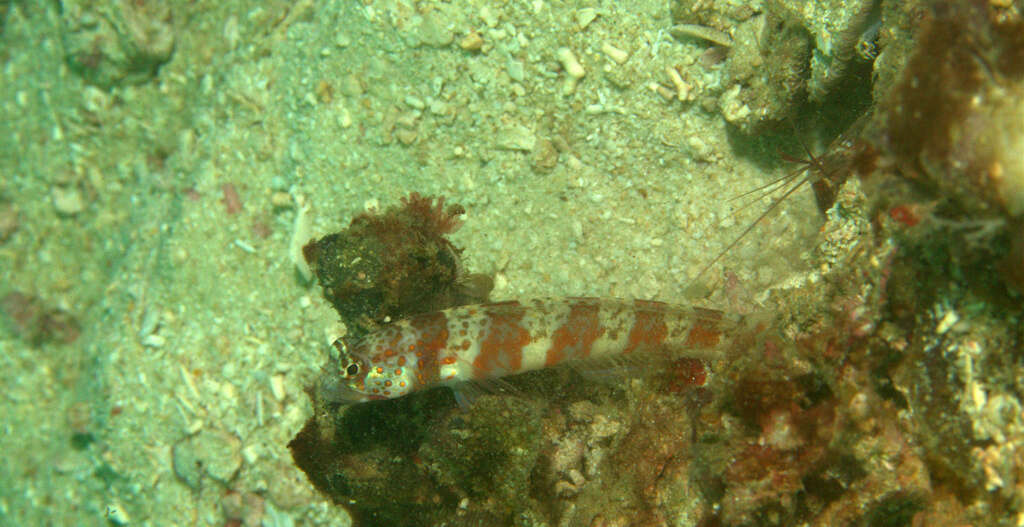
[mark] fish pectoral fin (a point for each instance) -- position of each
(467, 392)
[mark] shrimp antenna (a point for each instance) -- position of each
(811, 162)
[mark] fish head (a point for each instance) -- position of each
(361, 377)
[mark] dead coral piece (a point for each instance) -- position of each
(31, 319)
(702, 32)
(718, 16)
(115, 42)
(395, 264)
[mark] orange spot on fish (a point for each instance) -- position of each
(380, 370)
(448, 360)
(401, 360)
(398, 371)
(387, 383)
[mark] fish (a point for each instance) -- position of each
(481, 342)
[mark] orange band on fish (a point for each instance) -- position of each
(484, 341)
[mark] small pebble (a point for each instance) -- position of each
(434, 31)
(277, 387)
(116, 514)
(324, 91)
(500, 282)
(516, 70)
(260, 229)
(244, 246)
(232, 201)
(585, 16)
(351, 85)
(571, 64)
(68, 200)
(251, 454)
(489, 17)
(153, 341)
(614, 53)
(438, 107)
(194, 426)
(281, 200)
(415, 102)
(517, 137)
(344, 118)
(406, 137)
(278, 183)
(545, 156)
(472, 42)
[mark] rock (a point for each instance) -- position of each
(212, 453)
(517, 137)
(115, 42)
(434, 31)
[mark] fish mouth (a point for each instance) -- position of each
(331, 389)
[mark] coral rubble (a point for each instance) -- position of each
(391, 265)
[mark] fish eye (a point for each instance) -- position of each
(352, 370)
